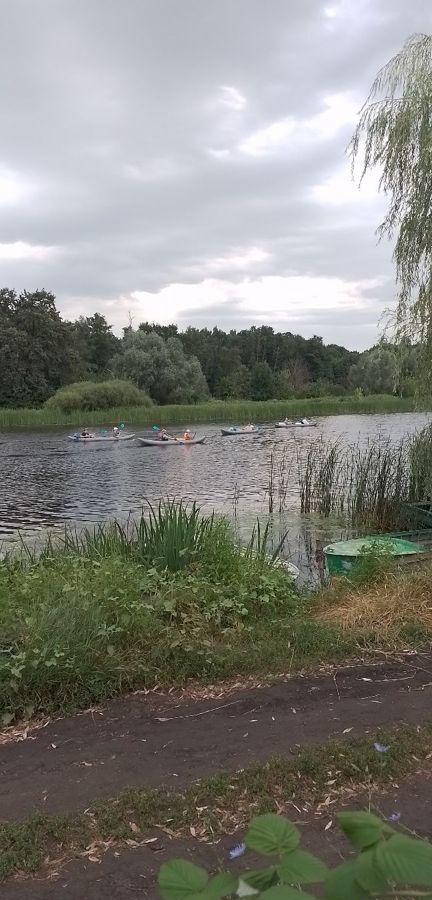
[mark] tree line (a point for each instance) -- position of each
(40, 353)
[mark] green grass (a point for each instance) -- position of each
(169, 598)
(212, 411)
(221, 804)
(164, 600)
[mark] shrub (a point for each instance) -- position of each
(121, 606)
(90, 395)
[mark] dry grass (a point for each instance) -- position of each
(397, 601)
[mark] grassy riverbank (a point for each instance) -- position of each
(213, 411)
(172, 599)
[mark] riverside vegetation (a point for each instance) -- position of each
(165, 599)
(146, 413)
(41, 354)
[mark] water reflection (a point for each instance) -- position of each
(46, 481)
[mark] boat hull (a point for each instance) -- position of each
(99, 439)
(343, 557)
(149, 442)
(228, 432)
(296, 425)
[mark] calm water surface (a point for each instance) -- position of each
(47, 481)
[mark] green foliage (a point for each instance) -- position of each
(386, 369)
(395, 134)
(86, 396)
(376, 372)
(37, 354)
(41, 353)
(160, 368)
(387, 861)
(211, 411)
(262, 382)
(168, 597)
(96, 344)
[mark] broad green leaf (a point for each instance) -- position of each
(270, 834)
(368, 873)
(341, 884)
(179, 879)
(261, 879)
(300, 867)
(222, 885)
(284, 892)
(362, 828)
(406, 860)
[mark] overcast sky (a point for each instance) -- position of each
(184, 160)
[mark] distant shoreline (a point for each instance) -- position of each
(213, 411)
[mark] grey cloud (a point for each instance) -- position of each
(112, 110)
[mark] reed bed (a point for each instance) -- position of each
(212, 411)
(366, 486)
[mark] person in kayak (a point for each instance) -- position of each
(116, 431)
(85, 433)
(163, 435)
(187, 436)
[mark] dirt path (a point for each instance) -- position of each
(132, 874)
(65, 766)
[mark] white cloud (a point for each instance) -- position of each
(240, 260)
(292, 301)
(270, 139)
(339, 189)
(290, 133)
(232, 97)
(20, 250)
(15, 189)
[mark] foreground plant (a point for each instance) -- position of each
(388, 864)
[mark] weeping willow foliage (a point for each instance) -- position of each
(394, 132)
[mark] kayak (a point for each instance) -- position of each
(99, 438)
(232, 432)
(152, 442)
(296, 424)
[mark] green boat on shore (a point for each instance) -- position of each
(406, 547)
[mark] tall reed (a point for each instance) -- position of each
(370, 485)
(169, 535)
(212, 411)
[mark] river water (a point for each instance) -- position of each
(47, 481)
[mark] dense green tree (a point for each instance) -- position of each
(96, 344)
(40, 353)
(36, 349)
(262, 381)
(161, 368)
(236, 385)
(376, 372)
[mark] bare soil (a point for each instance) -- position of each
(135, 741)
(131, 874)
